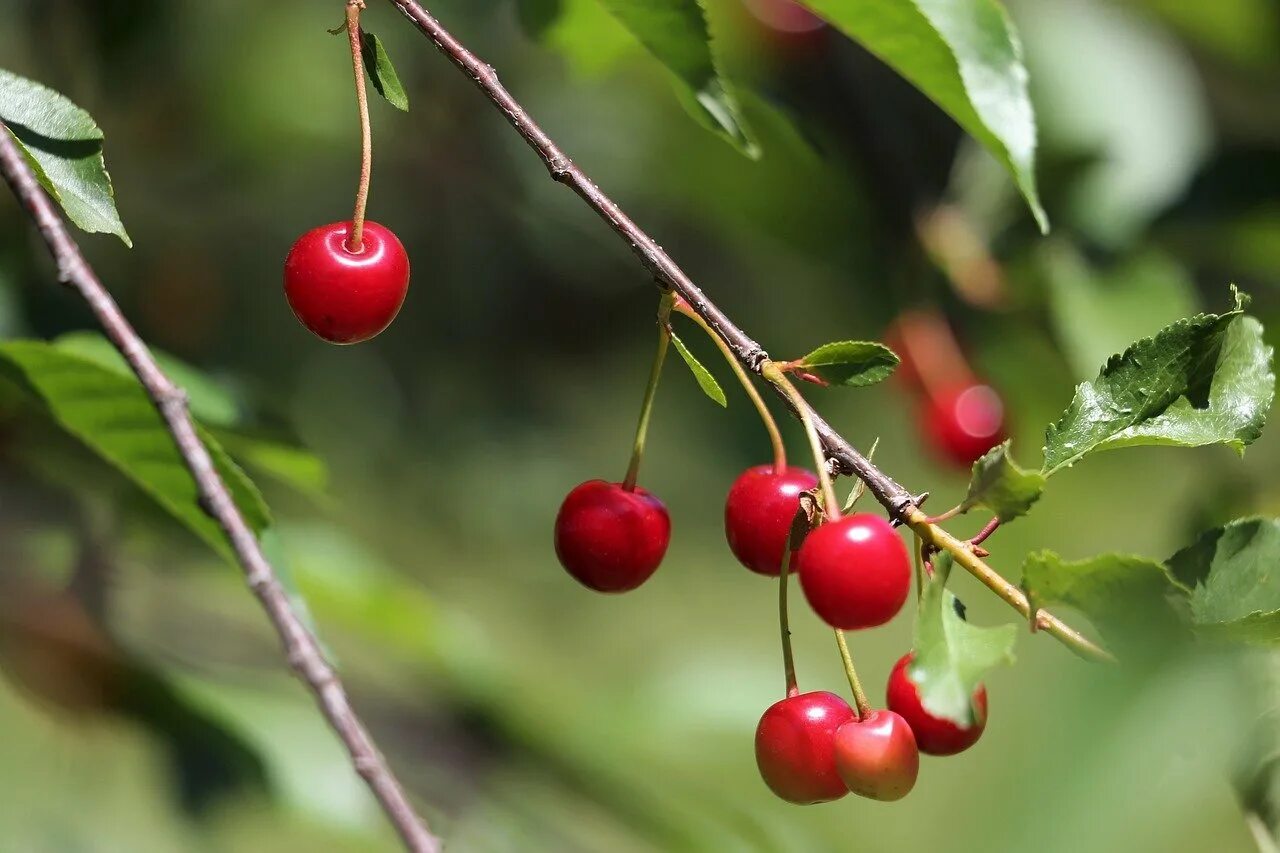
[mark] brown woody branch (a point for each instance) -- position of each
(900, 503)
(300, 647)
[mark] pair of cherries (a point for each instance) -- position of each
(854, 570)
(813, 748)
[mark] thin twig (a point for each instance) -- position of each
(899, 502)
(300, 647)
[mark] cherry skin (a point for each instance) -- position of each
(963, 422)
(611, 539)
(758, 513)
(342, 296)
(855, 571)
(877, 757)
(795, 747)
(934, 735)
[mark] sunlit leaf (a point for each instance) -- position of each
(706, 381)
(851, 363)
(999, 484)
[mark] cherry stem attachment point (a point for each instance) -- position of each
(774, 375)
(985, 532)
(859, 696)
(655, 373)
(355, 241)
(766, 417)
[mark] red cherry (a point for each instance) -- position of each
(346, 297)
(964, 422)
(934, 735)
(611, 539)
(789, 26)
(855, 571)
(758, 513)
(795, 747)
(877, 757)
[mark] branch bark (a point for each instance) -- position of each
(300, 647)
(900, 503)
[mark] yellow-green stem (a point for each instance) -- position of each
(655, 373)
(773, 374)
(859, 696)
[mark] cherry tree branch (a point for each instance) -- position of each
(300, 646)
(900, 503)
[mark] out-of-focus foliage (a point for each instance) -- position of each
(413, 481)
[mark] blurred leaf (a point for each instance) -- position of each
(999, 484)
(1122, 595)
(952, 656)
(676, 32)
(537, 16)
(1257, 776)
(65, 144)
(382, 74)
(1203, 380)
(1096, 314)
(965, 55)
(211, 404)
(706, 381)
(112, 416)
(859, 485)
(1235, 584)
(296, 467)
(588, 37)
(851, 363)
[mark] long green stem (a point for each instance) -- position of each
(651, 390)
(773, 374)
(859, 696)
(784, 624)
(766, 417)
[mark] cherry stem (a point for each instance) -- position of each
(770, 425)
(784, 622)
(773, 374)
(917, 561)
(985, 532)
(655, 373)
(948, 515)
(859, 697)
(355, 242)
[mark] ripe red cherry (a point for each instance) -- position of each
(855, 571)
(963, 422)
(795, 747)
(611, 539)
(934, 735)
(346, 297)
(758, 513)
(877, 757)
(784, 16)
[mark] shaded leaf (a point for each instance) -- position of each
(952, 656)
(677, 34)
(706, 381)
(851, 363)
(964, 55)
(999, 484)
(296, 467)
(1203, 380)
(112, 416)
(1235, 585)
(382, 74)
(1125, 596)
(538, 16)
(65, 145)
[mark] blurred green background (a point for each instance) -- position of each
(524, 712)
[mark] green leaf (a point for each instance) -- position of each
(999, 484)
(295, 467)
(677, 34)
(1096, 314)
(1204, 380)
(1235, 587)
(966, 56)
(952, 656)
(851, 363)
(706, 381)
(382, 74)
(1123, 595)
(860, 486)
(111, 415)
(211, 404)
(538, 16)
(65, 145)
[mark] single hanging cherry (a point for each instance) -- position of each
(855, 571)
(758, 513)
(610, 538)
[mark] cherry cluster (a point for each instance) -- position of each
(855, 572)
